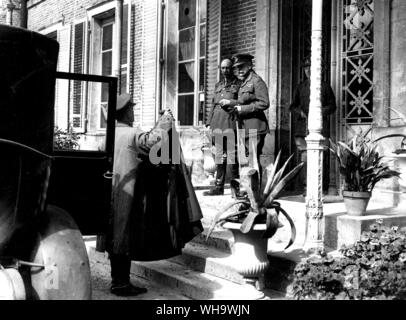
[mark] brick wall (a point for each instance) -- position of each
(238, 27)
(42, 14)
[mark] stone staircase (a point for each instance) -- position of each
(205, 271)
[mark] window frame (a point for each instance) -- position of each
(196, 60)
(96, 17)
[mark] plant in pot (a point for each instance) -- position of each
(361, 166)
(254, 219)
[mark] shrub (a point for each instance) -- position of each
(66, 140)
(373, 268)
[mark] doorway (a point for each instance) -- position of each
(301, 21)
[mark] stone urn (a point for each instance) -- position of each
(250, 253)
(209, 165)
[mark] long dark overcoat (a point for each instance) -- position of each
(155, 210)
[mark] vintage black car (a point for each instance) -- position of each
(49, 198)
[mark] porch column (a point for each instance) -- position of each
(314, 203)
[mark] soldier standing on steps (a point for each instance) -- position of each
(222, 122)
(252, 101)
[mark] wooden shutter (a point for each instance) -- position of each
(63, 36)
(77, 110)
(149, 63)
(212, 50)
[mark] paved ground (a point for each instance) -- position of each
(100, 271)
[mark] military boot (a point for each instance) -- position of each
(236, 193)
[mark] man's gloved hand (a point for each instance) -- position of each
(160, 132)
(165, 121)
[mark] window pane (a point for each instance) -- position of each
(185, 109)
(103, 117)
(187, 13)
(202, 40)
(186, 77)
(203, 10)
(104, 92)
(202, 70)
(187, 44)
(107, 37)
(106, 63)
(53, 35)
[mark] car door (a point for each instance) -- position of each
(81, 175)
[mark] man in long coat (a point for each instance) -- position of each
(154, 210)
(300, 109)
(223, 126)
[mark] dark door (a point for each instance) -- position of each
(80, 179)
(301, 45)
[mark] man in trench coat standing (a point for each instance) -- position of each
(154, 209)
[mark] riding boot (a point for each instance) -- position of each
(218, 189)
(120, 276)
(236, 193)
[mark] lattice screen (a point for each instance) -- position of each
(357, 62)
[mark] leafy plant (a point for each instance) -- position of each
(372, 268)
(260, 206)
(360, 164)
(66, 139)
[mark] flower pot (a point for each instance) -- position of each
(356, 202)
(250, 253)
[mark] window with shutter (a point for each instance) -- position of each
(62, 34)
(213, 50)
(77, 110)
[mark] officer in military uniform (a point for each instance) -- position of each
(300, 108)
(252, 100)
(221, 123)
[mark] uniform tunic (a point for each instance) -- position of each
(254, 100)
(218, 118)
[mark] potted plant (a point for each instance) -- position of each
(254, 220)
(362, 167)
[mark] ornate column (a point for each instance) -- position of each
(314, 203)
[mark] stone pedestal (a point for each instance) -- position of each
(250, 253)
(342, 229)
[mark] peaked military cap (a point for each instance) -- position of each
(123, 101)
(241, 58)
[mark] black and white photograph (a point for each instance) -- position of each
(215, 157)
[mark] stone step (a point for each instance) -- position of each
(203, 258)
(219, 239)
(101, 280)
(197, 285)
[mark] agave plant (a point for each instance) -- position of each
(260, 205)
(360, 164)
